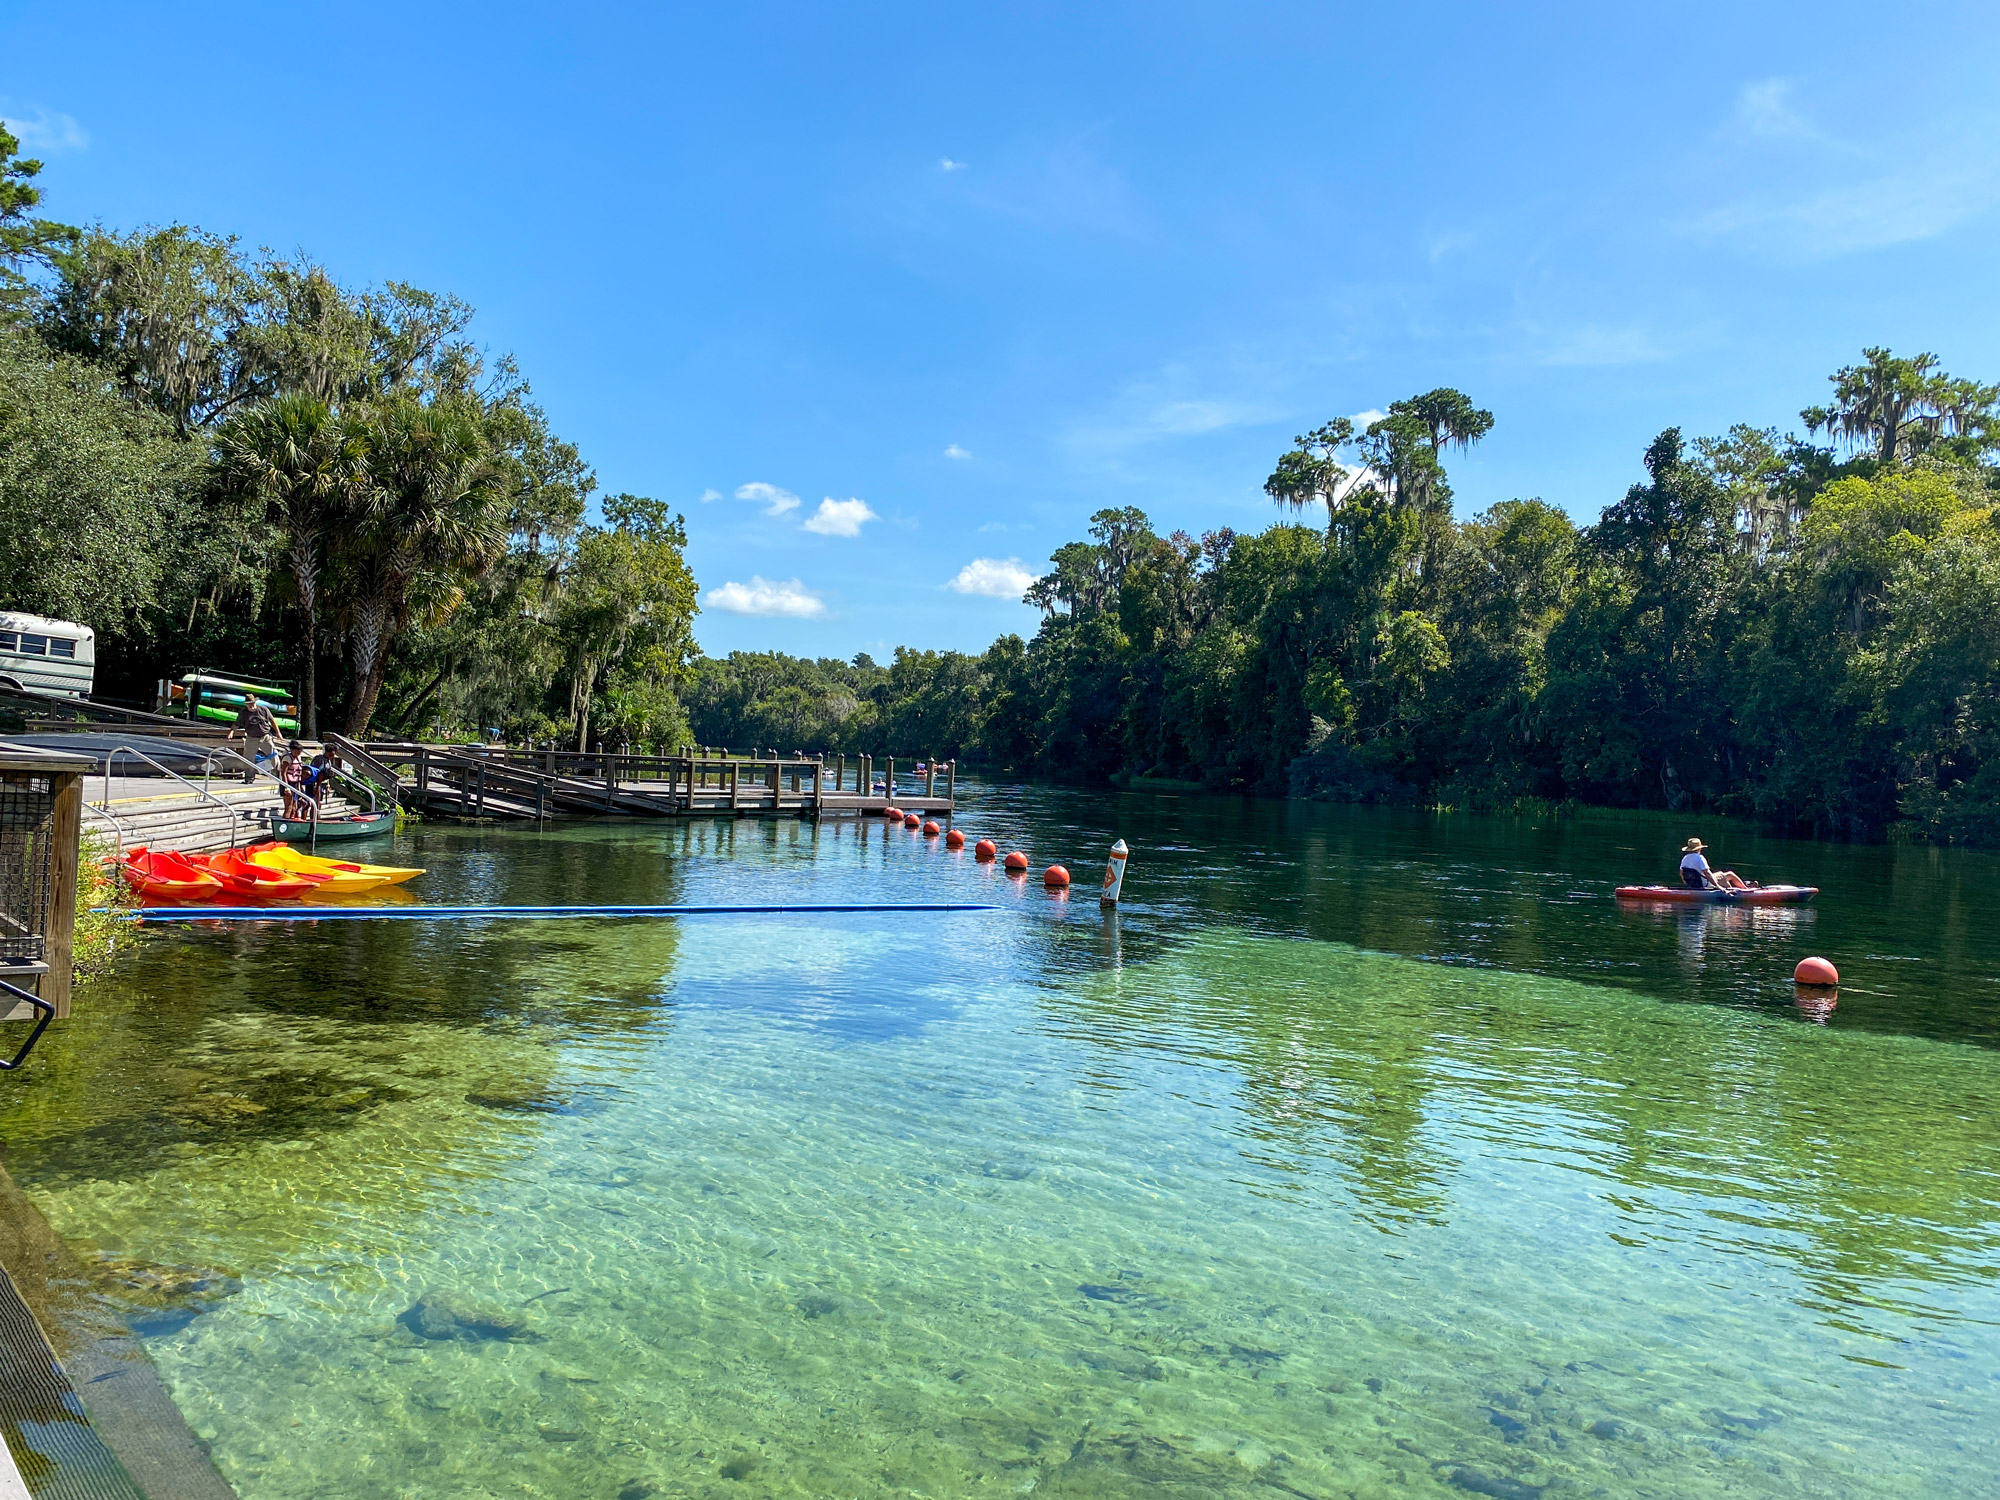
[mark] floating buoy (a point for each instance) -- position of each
(986, 851)
(911, 820)
(954, 840)
(1017, 862)
(930, 828)
(893, 814)
(1114, 874)
(1056, 878)
(1816, 972)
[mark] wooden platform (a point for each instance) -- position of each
(495, 782)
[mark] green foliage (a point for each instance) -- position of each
(231, 460)
(103, 912)
(95, 496)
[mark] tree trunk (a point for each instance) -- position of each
(407, 719)
(305, 572)
(371, 646)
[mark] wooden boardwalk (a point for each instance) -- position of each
(477, 782)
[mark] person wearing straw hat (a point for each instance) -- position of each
(1697, 876)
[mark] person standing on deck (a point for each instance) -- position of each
(259, 726)
(1697, 876)
(292, 783)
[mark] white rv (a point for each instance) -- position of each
(47, 656)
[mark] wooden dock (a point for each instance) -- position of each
(475, 781)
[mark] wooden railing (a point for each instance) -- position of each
(620, 781)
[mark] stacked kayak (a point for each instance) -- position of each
(263, 872)
(240, 877)
(1758, 895)
(337, 876)
(163, 875)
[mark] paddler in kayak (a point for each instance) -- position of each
(1697, 876)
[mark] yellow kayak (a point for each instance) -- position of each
(332, 882)
(285, 857)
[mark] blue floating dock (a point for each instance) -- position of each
(489, 913)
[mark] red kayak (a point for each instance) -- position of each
(165, 875)
(239, 877)
(1757, 895)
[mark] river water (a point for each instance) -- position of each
(1361, 1153)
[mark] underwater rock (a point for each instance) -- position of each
(518, 1101)
(161, 1300)
(1497, 1486)
(1610, 1427)
(446, 1315)
(742, 1466)
(1121, 1362)
(818, 1306)
(1513, 1428)
(638, 1489)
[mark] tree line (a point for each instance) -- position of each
(225, 459)
(1799, 629)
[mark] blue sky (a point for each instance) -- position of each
(909, 291)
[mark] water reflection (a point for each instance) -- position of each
(1864, 1182)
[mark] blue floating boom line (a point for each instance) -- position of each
(487, 913)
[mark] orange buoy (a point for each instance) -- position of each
(894, 814)
(930, 828)
(954, 840)
(1017, 862)
(1816, 972)
(1055, 877)
(911, 820)
(986, 851)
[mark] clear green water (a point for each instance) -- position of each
(1361, 1154)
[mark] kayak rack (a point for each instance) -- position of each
(488, 913)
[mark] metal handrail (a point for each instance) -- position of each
(235, 817)
(48, 1014)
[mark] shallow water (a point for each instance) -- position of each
(1361, 1153)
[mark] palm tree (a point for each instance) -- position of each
(432, 505)
(295, 453)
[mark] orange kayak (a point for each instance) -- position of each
(167, 876)
(1760, 895)
(241, 878)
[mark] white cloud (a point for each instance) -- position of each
(776, 502)
(992, 578)
(46, 130)
(708, 495)
(840, 517)
(760, 596)
(1764, 109)
(1890, 210)
(954, 451)
(948, 165)
(1363, 420)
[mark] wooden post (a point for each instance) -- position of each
(610, 777)
(482, 786)
(889, 779)
(777, 777)
(423, 771)
(59, 921)
(839, 770)
(951, 782)
(735, 777)
(819, 787)
(930, 779)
